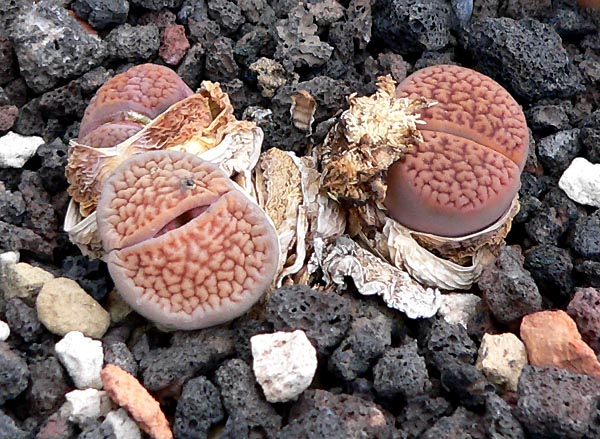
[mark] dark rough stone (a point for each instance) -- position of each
(198, 409)
(157, 5)
(447, 342)
(500, 422)
(162, 19)
(366, 341)
(65, 101)
(245, 328)
(16, 92)
(22, 320)
(590, 139)
(410, 26)
(298, 44)
(555, 217)
(204, 32)
(531, 186)
(401, 372)
(557, 151)
(91, 274)
(57, 426)
(257, 11)
(193, 353)
(481, 322)
(133, 43)
(525, 55)
(549, 117)
(57, 49)
(40, 216)
(461, 424)
(227, 14)
(93, 80)
(508, 288)
(590, 272)
(52, 171)
(192, 10)
(324, 317)
(315, 424)
(584, 308)
(8, 61)
(49, 383)
(102, 14)
(242, 399)
(551, 267)
(14, 374)
(556, 403)
(586, 237)
(30, 120)
(465, 382)
(117, 353)
(252, 45)
(20, 238)
(12, 206)
(419, 414)
(8, 117)
(220, 62)
(360, 418)
(10, 430)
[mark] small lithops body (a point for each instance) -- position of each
(185, 247)
(127, 101)
(465, 173)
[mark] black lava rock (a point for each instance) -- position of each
(227, 14)
(590, 272)
(157, 5)
(49, 383)
(30, 120)
(102, 14)
(245, 328)
(551, 268)
(91, 274)
(220, 61)
(198, 409)
(586, 237)
(584, 308)
(525, 55)
(324, 317)
(8, 61)
(500, 423)
(10, 430)
(366, 341)
(315, 424)
(14, 375)
(52, 171)
(192, 353)
(133, 43)
(555, 402)
(465, 382)
(243, 401)
(549, 117)
(421, 413)
(461, 424)
(410, 26)
(12, 206)
(117, 353)
(401, 372)
(447, 342)
(23, 320)
(51, 45)
(64, 102)
(508, 288)
(191, 69)
(557, 151)
(590, 139)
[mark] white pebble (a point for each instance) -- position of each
(458, 307)
(86, 406)
(122, 426)
(581, 182)
(284, 364)
(82, 357)
(4, 331)
(16, 149)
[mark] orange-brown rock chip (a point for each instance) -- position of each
(552, 339)
(466, 172)
(127, 392)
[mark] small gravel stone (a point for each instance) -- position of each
(198, 409)
(121, 425)
(227, 14)
(555, 217)
(581, 182)
(14, 375)
(49, 383)
(157, 5)
(558, 150)
(63, 306)
(243, 401)
(324, 317)
(586, 238)
(465, 382)
(500, 422)
(458, 308)
(220, 60)
(133, 43)
(87, 406)
(556, 403)
(173, 44)
(23, 281)
(4, 331)
(508, 288)
(401, 372)
(284, 364)
(585, 310)
(270, 75)
(501, 358)
(8, 117)
(102, 14)
(551, 267)
(446, 342)
(23, 320)
(460, 424)
(10, 430)
(16, 149)
(117, 353)
(117, 307)
(57, 426)
(421, 413)
(367, 340)
(83, 358)
(549, 117)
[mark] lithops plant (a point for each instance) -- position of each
(186, 247)
(437, 200)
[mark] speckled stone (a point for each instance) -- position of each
(198, 408)
(63, 306)
(15, 373)
(585, 310)
(502, 358)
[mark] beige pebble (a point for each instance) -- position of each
(501, 358)
(24, 281)
(63, 306)
(117, 307)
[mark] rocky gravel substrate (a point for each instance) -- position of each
(473, 371)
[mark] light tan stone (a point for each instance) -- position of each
(552, 339)
(63, 306)
(501, 358)
(117, 307)
(24, 281)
